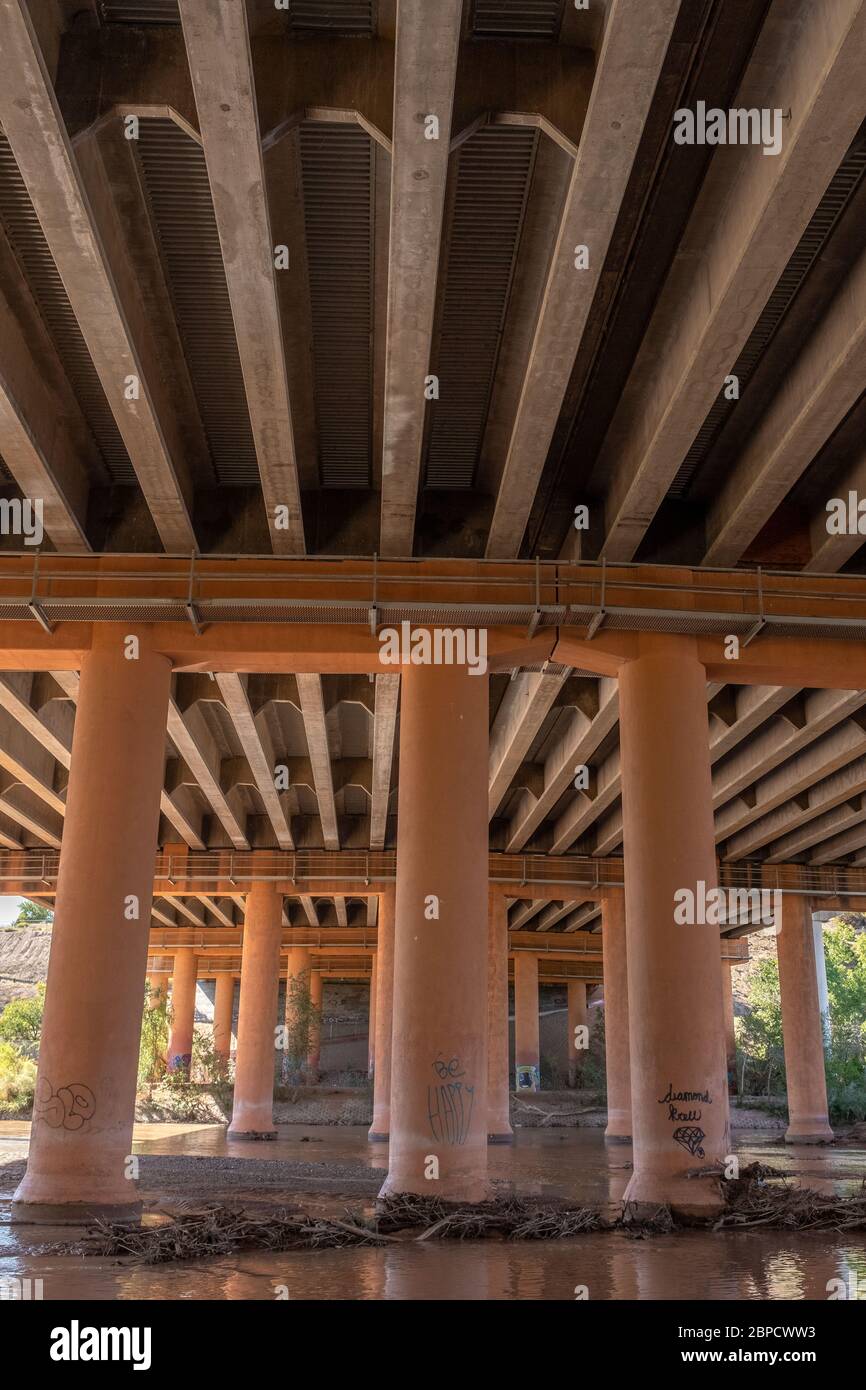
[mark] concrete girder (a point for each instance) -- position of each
(44, 438)
(221, 66)
(819, 390)
(573, 748)
(748, 217)
(808, 806)
(315, 727)
(90, 260)
(384, 730)
(629, 65)
(525, 703)
(194, 743)
(425, 74)
(255, 741)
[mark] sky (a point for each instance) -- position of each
(8, 909)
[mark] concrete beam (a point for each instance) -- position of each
(635, 44)
(218, 44)
(384, 729)
(428, 39)
(252, 735)
(748, 218)
(316, 730)
(187, 745)
(44, 439)
(526, 702)
(819, 390)
(34, 127)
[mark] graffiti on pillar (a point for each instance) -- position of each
(688, 1132)
(69, 1107)
(528, 1079)
(449, 1103)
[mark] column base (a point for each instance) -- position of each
(809, 1132)
(375, 1137)
(73, 1213)
(688, 1198)
(251, 1133)
(459, 1190)
(618, 1130)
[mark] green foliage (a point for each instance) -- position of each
(17, 1079)
(303, 1017)
(761, 1061)
(154, 1039)
(31, 914)
(21, 1022)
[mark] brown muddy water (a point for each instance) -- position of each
(330, 1169)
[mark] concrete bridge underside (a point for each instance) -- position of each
(320, 321)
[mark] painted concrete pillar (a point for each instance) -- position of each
(439, 1058)
(802, 1033)
(616, 1020)
(527, 1049)
(577, 1018)
(678, 1086)
(157, 986)
(499, 1129)
(81, 1135)
(253, 1109)
(183, 983)
(298, 971)
(223, 1014)
(316, 984)
(380, 1128)
(730, 1033)
(371, 1019)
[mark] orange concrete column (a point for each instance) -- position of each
(380, 1128)
(81, 1135)
(371, 1020)
(527, 1051)
(499, 1129)
(316, 984)
(730, 1033)
(808, 1122)
(616, 1020)
(223, 1014)
(253, 1109)
(577, 1018)
(298, 970)
(183, 982)
(678, 1090)
(439, 1058)
(157, 986)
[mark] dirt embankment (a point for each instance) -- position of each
(23, 961)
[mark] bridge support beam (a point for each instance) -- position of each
(384, 1018)
(527, 1047)
(802, 1033)
(679, 1093)
(183, 982)
(439, 1058)
(577, 1018)
(253, 1109)
(81, 1137)
(616, 1021)
(223, 1014)
(499, 1129)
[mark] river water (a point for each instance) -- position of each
(339, 1163)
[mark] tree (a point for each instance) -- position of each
(21, 1022)
(31, 914)
(302, 1019)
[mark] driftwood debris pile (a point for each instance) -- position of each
(753, 1199)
